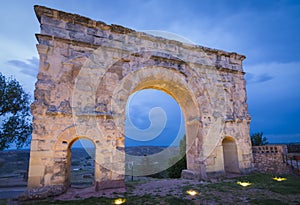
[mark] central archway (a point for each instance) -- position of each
(154, 122)
(174, 84)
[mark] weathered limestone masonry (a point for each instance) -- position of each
(88, 69)
(269, 159)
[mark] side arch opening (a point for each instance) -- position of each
(81, 163)
(230, 155)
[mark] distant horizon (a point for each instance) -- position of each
(81, 147)
(272, 140)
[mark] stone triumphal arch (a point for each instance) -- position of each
(88, 69)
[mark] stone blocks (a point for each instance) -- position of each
(88, 69)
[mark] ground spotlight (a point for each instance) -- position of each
(119, 201)
(244, 184)
(192, 192)
(279, 179)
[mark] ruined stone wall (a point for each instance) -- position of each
(269, 159)
(88, 70)
(293, 148)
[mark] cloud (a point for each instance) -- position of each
(283, 138)
(158, 120)
(252, 78)
(262, 32)
(28, 67)
(140, 107)
(280, 79)
(274, 104)
(155, 117)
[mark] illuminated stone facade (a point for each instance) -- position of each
(88, 69)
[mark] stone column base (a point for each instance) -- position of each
(190, 174)
(110, 184)
(42, 192)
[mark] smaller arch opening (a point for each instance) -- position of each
(81, 163)
(230, 155)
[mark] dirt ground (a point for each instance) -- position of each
(264, 190)
(158, 187)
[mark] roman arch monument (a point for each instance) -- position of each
(87, 72)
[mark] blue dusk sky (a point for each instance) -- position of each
(267, 32)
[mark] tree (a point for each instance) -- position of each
(175, 170)
(257, 139)
(15, 117)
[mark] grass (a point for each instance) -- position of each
(132, 200)
(263, 190)
(2, 201)
(265, 181)
(267, 202)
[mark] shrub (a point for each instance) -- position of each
(257, 139)
(175, 170)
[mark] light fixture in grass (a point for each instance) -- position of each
(192, 192)
(119, 201)
(279, 179)
(244, 184)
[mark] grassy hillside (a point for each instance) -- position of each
(14, 162)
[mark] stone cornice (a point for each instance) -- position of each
(77, 19)
(89, 23)
(43, 37)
